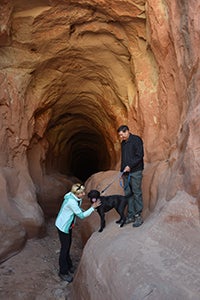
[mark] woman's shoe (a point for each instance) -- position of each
(66, 277)
(72, 270)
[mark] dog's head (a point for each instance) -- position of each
(93, 195)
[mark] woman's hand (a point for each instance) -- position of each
(96, 204)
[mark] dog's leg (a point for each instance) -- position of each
(119, 221)
(121, 216)
(120, 211)
(122, 221)
(103, 223)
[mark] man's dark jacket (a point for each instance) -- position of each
(132, 153)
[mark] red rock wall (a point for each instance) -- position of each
(71, 73)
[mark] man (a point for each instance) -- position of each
(132, 165)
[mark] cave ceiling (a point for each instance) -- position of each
(79, 63)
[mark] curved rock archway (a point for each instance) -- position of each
(80, 92)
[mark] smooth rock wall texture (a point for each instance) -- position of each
(159, 260)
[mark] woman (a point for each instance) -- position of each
(65, 221)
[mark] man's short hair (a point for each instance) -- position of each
(123, 128)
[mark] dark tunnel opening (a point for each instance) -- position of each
(84, 164)
(81, 153)
(65, 155)
(88, 156)
(79, 141)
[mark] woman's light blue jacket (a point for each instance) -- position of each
(69, 209)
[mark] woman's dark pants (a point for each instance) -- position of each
(65, 262)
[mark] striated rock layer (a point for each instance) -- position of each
(71, 72)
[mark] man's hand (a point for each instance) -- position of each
(127, 169)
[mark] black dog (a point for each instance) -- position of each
(118, 202)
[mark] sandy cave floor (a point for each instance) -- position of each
(32, 274)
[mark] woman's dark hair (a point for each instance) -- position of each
(123, 128)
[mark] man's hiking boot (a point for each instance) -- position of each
(129, 220)
(138, 221)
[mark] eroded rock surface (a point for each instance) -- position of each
(71, 72)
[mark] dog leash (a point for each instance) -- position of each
(118, 176)
(127, 184)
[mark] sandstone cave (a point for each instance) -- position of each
(71, 72)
